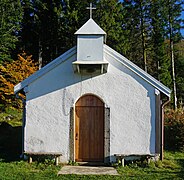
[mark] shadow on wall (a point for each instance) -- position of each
(150, 95)
(10, 142)
(153, 124)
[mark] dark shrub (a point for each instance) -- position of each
(174, 129)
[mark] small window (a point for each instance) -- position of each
(90, 68)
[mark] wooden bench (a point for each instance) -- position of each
(55, 155)
(121, 157)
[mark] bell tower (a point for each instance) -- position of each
(90, 54)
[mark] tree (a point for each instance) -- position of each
(40, 29)
(11, 74)
(159, 59)
(179, 64)
(136, 21)
(29, 35)
(10, 18)
(109, 16)
(49, 26)
(143, 9)
(173, 10)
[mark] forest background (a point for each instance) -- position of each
(147, 32)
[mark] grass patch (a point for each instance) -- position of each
(23, 170)
(12, 117)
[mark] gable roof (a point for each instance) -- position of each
(90, 27)
(118, 57)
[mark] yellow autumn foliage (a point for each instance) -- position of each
(12, 73)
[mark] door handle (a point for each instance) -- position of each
(76, 136)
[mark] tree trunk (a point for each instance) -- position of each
(144, 51)
(143, 38)
(172, 61)
(40, 56)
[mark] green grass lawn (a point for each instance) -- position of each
(11, 167)
(171, 168)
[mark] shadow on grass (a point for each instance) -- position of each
(10, 142)
(181, 162)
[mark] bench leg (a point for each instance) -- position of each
(148, 160)
(123, 162)
(30, 160)
(56, 160)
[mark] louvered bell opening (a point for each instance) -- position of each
(98, 68)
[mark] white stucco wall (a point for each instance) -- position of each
(131, 101)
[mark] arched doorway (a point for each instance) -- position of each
(89, 129)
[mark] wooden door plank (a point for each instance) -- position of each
(90, 128)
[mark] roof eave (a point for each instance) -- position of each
(151, 80)
(45, 69)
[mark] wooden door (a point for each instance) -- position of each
(89, 129)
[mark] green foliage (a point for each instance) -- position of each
(179, 64)
(10, 18)
(160, 59)
(11, 116)
(159, 164)
(109, 16)
(72, 163)
(172, 17)
(132, 32)
(174, 129)
(48, 18)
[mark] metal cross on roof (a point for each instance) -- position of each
(90, 9)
